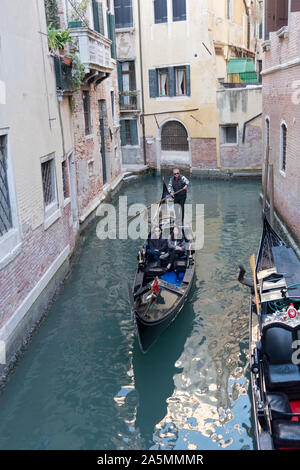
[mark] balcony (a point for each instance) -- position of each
(128, 100)
(93, 49)
(63, 74)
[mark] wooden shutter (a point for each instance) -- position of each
(96, 16)
(160, 11)
(295, 5)
(120, 81)
(122, 132)
(282, 13)
(153, 86)
(171, 81)
(133, 132)
(188, 80)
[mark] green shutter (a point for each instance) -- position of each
(96, 16)
(122, 132)
(171, 81)
(120, 81)
(111, 33)
(153, 86)
(133, 132)
(188, 80)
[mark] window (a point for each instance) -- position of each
(87, 112)
(283, 146)
(98, 16)
(127, 83)
(229, 134)
(65, 178)
(229, 10)
(160, 11)
(180, 77)
(171, 81)
(174, 137)
(179, 10)
(267, 134)
(5, 206)
(129, 132)
(123, 13)
(112, 100)
(163, 82)
(49, 181)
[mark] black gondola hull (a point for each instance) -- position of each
(149, 332)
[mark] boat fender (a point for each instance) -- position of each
(292, 312)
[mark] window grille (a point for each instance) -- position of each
(174, 137)
(48, 178)
(283, 146)
(5, 208)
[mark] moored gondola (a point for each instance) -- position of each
(275, 343)
(158, 294)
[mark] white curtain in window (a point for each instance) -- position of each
(180, 84)
(164, 84)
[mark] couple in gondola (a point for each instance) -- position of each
(160, 248)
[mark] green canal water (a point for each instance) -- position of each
(83, 382)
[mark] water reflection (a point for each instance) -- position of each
(154, 373)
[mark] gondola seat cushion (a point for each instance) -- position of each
(286, 434)
(154, 269)
(180, 265)
(278, 403)
(282, 374)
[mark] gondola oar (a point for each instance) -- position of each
(253, 268)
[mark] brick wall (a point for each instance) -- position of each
(247, 155)
(40, 248)
(204, 153)
(282, 103)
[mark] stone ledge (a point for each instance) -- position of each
(226, 173)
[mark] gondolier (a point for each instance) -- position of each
(178, 189)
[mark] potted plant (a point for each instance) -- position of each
(57, 39)
(68, 59)
(78, 16)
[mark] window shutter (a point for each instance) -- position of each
(133, 132)
(153, 83)
(188, 80)
(122, 132)
(120, 81)
(171, 81)
(101, 19)
(96, 16)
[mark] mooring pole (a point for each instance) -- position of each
(271, 169)
(266, 177)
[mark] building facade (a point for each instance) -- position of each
(59, 149)
(281, 110)
(173, 57)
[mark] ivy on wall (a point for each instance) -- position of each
(52, 13)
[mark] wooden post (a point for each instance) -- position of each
(266, 176)
(271, 169)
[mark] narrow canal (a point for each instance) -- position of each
(83, 383)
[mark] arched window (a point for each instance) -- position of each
(267, 135)
(283, 145)
(174, 137)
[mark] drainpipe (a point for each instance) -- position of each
(142, 83)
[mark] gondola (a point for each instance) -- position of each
(274, 343)
(158, 295)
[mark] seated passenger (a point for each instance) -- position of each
(157, 245)
(176, 245)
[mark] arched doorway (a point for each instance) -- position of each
(174, 143)
(174, 137)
